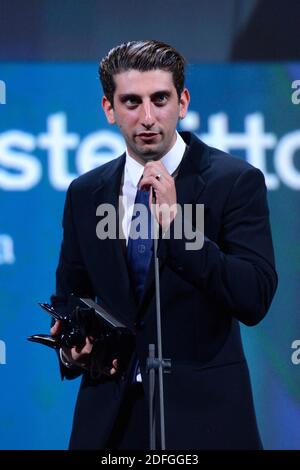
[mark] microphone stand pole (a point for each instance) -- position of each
(157, 364)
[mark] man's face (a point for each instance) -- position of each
(146, 109)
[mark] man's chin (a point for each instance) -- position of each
(150, 157)
(148, 154)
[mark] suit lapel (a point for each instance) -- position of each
(111, 252)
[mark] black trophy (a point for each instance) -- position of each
(111, 339)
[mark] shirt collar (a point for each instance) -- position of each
(171, 161)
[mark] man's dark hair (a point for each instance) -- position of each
(143, 56)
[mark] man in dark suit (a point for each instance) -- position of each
(205, 290)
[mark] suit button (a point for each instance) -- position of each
(180, 268)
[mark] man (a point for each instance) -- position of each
(205, 292)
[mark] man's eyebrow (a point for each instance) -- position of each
(133, 96)
(129, 96)
(161, 92)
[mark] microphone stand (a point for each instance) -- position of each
(156, 364)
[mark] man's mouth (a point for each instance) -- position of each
(145, 136)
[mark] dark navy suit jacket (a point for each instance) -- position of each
(204, 295)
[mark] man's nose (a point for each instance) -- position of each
(147, 117)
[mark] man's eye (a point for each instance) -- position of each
(131, 102)
(161, 99)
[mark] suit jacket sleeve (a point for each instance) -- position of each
(71, 275)
(237, 270)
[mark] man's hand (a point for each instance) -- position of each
(157, 177)
(80, 356)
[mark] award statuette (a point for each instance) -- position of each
(111, 339)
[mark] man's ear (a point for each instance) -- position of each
(108, 110)
(184, 103)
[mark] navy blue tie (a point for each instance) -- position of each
(139, 249)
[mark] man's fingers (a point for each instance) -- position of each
(114, 369)
(56, 328)
(87, 349)
(81, 356)
(156, 168)
(151, 181)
